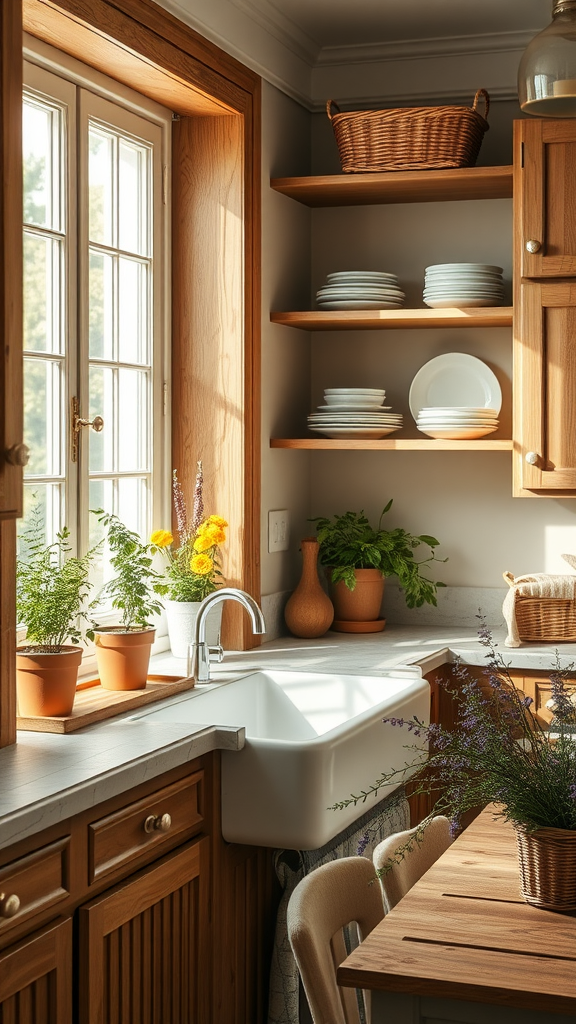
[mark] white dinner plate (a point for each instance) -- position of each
(471, 267)
(360, 304)
(354, 391)
(393, 421)
(338, 294)
(454, 379)
(354, 407)
(460, 302)
(352, 432)
(458, 410)
(363, 275)
(459, 434)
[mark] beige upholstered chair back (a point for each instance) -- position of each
(322, 904)
(396, 882)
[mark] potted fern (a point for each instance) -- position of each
(51, 590)
(123, 650)
(358, 557)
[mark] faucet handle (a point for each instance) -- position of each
(217, 651)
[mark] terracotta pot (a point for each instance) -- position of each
(46, 682)
(364, 602)
(309, 611)
(123, 657)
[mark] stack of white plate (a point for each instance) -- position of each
(354, 412)
(463, 284)
(360, 289)
(455, 396)
(457, 422)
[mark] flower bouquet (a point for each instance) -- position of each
(498, 752)
(193, 566)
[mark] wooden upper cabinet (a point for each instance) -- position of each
(545, 388)
(12, 452)
(545, 198)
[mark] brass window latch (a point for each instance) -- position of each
(76, 425)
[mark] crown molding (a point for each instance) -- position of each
(417, 49)
(282, 28)
(438, 97)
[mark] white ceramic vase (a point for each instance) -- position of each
(181, 617)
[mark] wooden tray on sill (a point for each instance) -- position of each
(93, 704)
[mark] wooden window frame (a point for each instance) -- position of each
(215, 345)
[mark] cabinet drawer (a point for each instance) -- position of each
(147, 824)
(34, 883)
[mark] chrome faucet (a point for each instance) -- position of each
(199, 652)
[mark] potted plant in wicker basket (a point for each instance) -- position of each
(51, 588)
(359, 557)
(498, 752)
(193, 567)
(123, 650)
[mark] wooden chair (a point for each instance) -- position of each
(396, 882)
(322, 904)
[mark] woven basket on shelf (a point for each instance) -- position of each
(411, 138)
(547, 861)
(544, 618)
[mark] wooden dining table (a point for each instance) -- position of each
(463, 946)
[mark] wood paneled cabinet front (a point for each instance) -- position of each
(545, 308)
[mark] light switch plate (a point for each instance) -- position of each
(279, 530)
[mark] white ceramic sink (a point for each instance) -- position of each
(311, 739)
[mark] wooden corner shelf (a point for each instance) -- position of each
(456, 184)
(392, 444)
(394, 319)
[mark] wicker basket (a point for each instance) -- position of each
(412, 138)
(544, 618)
(547, 860)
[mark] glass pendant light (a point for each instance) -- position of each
(547, 72)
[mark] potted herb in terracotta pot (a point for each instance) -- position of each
(51, 588)
(358, 557)
(123, 650)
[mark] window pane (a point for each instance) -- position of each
(49, 499)
(101, 495)
(133, 388)
(133, 201)
(133, 504)
(101, 167)
(133, 327)
(42, 291)
(101, 306)
(42, 156)
(102, 403)
(44, 419)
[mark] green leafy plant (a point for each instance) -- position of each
(131, 589)
(496, 752)
(349, 542)
(51, 588)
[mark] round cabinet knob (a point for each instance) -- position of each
(532, 458)
(158, 823)
(9, 905)
(533, 245)
(18, 455)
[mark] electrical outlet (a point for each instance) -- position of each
(279, 530)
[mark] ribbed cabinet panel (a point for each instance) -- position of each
(144, 944)
(36, 978)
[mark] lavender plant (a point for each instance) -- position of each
(498, 752)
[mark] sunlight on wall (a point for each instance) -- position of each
(558, 540)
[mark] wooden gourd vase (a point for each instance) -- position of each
(309, 611)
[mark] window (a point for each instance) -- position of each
(95, 276)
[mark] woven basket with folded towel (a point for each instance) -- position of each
(540, 607)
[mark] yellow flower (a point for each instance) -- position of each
(218, 521)
(161, 538)
(202, 565)
(203, 542)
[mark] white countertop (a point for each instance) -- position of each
(47, 778)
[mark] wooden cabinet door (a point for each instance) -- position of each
(145, 945)
(545, 197)
(545, 389)
(11, 401)
(36, 978)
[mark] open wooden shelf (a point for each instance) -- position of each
(392, 444)
(394, 319)
(398, 186)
